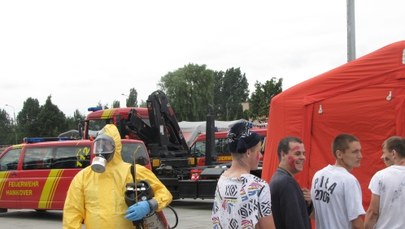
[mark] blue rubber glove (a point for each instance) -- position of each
(138, 211)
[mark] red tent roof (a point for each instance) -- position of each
(365, 97)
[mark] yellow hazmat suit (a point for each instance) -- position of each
(97, 199)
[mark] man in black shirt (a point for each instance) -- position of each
(291, 205)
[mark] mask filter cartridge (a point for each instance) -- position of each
(98, 164)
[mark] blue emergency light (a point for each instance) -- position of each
(92, 109)
(45, 139)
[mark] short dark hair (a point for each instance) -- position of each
(284, 145)
(396, 143)
(342, 141)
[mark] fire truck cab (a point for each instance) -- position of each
(222, 154)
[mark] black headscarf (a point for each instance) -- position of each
(240, 138)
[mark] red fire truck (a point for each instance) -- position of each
(172, 161)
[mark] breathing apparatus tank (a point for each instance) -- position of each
(139, 191)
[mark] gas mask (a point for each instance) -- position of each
(103, 150)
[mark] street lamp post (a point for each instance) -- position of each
(125, 99)
(14, 122)
(351, 31)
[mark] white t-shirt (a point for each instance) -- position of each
(240, 202)
(389, 184)
(336, 196)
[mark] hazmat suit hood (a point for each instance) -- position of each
(112, 131)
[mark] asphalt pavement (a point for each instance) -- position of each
(191, 214)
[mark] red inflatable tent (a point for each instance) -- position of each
(365, 97)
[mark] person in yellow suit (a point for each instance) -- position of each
(96, 196)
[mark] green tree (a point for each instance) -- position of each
(233, 92)
(27, 119)
(219, 110)
(73, 122)
(190, 91)
(142, 103)
(7, 131)
(260, 99)
(132, 100)
(105, 106)
(116, 104)
(52, 120)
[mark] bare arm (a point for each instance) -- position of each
(266, 223)
(312, 215)
(372, 212)
(307, 195)
(357, 223)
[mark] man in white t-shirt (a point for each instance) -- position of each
(336, 193)
(388, 154)
(388, 190)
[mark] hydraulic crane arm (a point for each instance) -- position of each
(163, 135)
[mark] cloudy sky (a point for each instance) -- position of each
(85, 52)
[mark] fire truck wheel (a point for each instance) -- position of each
(3, 210)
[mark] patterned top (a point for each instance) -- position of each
(240, 202)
